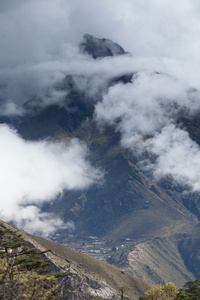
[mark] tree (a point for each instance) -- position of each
(190, 290)
(23, 274)
(159, 292)
(185, 296)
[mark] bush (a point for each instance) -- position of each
(23, 275)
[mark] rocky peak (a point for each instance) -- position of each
(100, 47)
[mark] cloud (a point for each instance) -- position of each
(145, 113)
(145, 105)
(36, 54)
(33, 173)
(39, 47)
(177, 155)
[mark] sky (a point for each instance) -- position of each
(39, 39)
(39, 46)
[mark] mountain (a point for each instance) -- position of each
(88, 277)
(100, 47)
(151, 227)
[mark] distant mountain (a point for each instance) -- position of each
(159, 220)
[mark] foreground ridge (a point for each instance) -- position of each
(88, 277)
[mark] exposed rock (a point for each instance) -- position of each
(87, 287)
(100, 47)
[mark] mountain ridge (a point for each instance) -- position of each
(88, 277)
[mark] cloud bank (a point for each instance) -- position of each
(177, 155)
(32, 173)
(145, 112)
(39, 41)
(39, 47)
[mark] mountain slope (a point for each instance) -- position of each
(128, 203)
(88, 276)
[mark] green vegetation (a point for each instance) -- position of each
(119, 256)
(190, 291)
(23, 274)
(158, 292)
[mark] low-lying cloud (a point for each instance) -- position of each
(146, 112)
(36, 53)
(177, 155)
(32, 173)
(39, 47)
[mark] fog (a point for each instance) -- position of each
(39, 47)
(33, 173)
(39, 40)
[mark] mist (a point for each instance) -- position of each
(40, 47)
(146, 112)
(39, 42)
(33, 173)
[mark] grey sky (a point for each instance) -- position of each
(37, 31)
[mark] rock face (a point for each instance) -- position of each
(85, 286)
(100, 47)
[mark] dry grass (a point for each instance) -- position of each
(64, 257)
(113, 276)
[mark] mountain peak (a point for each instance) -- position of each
(97, 47)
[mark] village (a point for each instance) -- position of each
(99, 248)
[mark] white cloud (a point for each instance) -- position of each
(32, 173)
(145, 112)
(177, 155)
(39, 40)
(39, 47)
(147, 104)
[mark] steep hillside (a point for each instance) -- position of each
(160, 261)
(88, 277)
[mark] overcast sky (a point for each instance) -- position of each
(39, 45)
(38, 38)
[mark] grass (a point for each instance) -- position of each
(98, 269)
(86, 266)
(159, 261)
